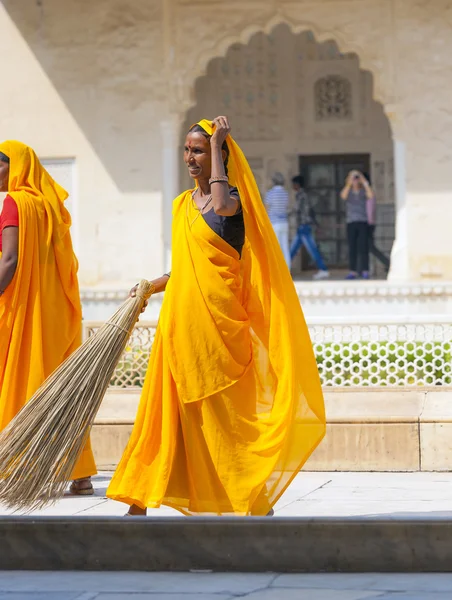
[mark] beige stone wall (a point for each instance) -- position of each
(378, 429)
(83, 80)
(91, 81)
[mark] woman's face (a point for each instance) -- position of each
(4, 176)
(198, 156)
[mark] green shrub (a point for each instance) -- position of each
(343, 363)
(385, 363)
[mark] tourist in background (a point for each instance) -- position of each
(305, 219)
(356, 193)
(277, 203)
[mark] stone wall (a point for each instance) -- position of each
(84, 81)
(93, 82)
(375, 429)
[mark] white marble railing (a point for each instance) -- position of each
(384, 352)
(344, 299)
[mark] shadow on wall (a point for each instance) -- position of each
(105, 62)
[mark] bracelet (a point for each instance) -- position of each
(220, 179)
(167, 274)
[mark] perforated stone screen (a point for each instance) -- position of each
(348, 355)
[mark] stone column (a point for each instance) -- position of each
(170, 133)
(399, 270)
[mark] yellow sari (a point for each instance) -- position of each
(40, 311)
(232, 405)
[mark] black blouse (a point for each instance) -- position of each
(230, 229)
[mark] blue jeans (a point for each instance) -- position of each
(304, 236)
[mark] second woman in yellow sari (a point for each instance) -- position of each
(40, 310)
(232, 405)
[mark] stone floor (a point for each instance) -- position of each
(20, 585)
(312, 494)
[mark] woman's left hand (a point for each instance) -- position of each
(222, 130)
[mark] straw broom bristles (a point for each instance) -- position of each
(40, 446)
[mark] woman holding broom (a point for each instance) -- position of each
(232, 405)
(40, 310)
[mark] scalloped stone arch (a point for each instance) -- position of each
(221, 46)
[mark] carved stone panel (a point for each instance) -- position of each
(333, 98)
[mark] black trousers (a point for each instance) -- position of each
(358, 246)
(376, 251)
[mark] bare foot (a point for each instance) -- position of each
(136, 511)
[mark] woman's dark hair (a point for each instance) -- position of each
(4, 158)
(298, 180)
(198, 129)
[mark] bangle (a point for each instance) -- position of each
(220, 179)
(167, 274)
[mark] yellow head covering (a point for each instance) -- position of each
(27, 175)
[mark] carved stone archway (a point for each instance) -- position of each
(217, 27)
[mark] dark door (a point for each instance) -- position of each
(324, 177)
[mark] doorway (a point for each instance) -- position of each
(324, 177)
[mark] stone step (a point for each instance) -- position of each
(374, 429)
(309, 545)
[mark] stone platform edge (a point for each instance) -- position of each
(226, 544)
(372, 429)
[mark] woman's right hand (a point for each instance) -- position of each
(222, 130)
(133, 293)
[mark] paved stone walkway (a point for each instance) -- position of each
(197, 586)
(312, 494)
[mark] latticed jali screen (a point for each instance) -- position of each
(383, 354)
(347, 355)
(132, 367)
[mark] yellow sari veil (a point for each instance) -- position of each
(281, 340)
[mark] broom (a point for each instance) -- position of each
(40, 446)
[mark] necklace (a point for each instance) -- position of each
(200, 210)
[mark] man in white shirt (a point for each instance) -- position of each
(277, 203)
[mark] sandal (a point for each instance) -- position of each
(76, 488)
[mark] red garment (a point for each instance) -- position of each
(9, 216)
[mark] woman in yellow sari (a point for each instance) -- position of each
(232, 405)
(40, 310)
